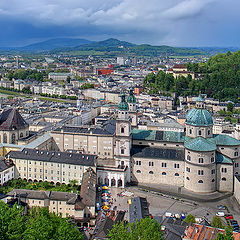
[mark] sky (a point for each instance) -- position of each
(191, 23)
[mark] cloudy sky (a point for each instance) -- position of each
(169, 22)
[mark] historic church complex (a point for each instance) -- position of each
(120, 153)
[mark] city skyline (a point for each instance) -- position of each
(192, 23)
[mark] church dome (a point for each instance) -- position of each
(199, 117)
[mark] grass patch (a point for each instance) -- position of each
(44, 186)
(52, 99)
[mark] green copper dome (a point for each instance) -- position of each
(123, 106)
(131, 98)
(199, 117)
(200, 144)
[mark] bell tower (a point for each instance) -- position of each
(131, 100)
(123, 136)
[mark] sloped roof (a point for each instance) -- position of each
(162, 136)
(12, 120)
(200, 144)
(225, 140)
(223, 159)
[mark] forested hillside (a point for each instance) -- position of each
(220, 79)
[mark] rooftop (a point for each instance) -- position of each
(200, 144)
(56, 157)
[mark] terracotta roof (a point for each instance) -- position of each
(12, 120)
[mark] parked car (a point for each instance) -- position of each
(234, 223)
(229, 216)
(221, 207)
(220, 214)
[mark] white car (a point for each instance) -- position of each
(220, 214)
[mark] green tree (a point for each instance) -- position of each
(228, 235)
(217, 222)
(144, 229)
(190, 218)
(230, 107)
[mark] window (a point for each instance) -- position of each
(21, 135)
(139, 163)
(13, 138)
(187, 169)
(188, 178)
(122, 151)
(213, 180)
(164, 164)
(236, 154)
(200, 181)
(224, 170)
(176, 174)
(190, 131)
(213, 171)
(208, 132)
(200, 172)
(4, 138)
(212, 159)
(188, 158)
(200, 160)
(224, 179)
(199, 132)
(138, 171)
(122, 130)
(236, 164)
(163, 173)
(176, 165)
(150, 172)
(150, 164)
(140, 142)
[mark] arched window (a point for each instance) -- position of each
(164, 173)
(13, 138)
(176, 174)
(150, 172)
(190, 131)
(200, 181)
(187, 178)
(138, 171)
(224, 179)
(199, 132)
(213, 180)
(21, 135)
(4, 138)
(212, 159)
(188, 158)
(120, 183)
(122, 129)
(113, 182)
(209, 132)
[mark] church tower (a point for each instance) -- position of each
(132, 108)
(123, 136)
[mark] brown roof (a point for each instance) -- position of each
(12, 120)
(179, 66)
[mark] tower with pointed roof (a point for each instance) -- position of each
(123, 136)
(131, 100)
(12, 127)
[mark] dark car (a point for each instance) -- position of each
(221, 207)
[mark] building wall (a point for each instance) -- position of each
(225, 177)
(172, 174)
(23, 133)
(237, 189)
(230, 151)
(200, 171)
(193, 131)
(46, 171)
(6, 175)
(158, 144)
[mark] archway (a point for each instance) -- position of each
(106, 181)
(120, 183)
(113, 182)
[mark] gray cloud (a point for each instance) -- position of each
(177, 22)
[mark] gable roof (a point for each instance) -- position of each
(12, 120)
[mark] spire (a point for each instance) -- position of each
(123, 106)
(131, 98)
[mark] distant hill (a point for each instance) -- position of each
(54, 44)
(115, 47)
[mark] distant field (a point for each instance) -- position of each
(85, 53)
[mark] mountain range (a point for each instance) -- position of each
(110, 47)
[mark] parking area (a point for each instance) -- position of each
(160, 204)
